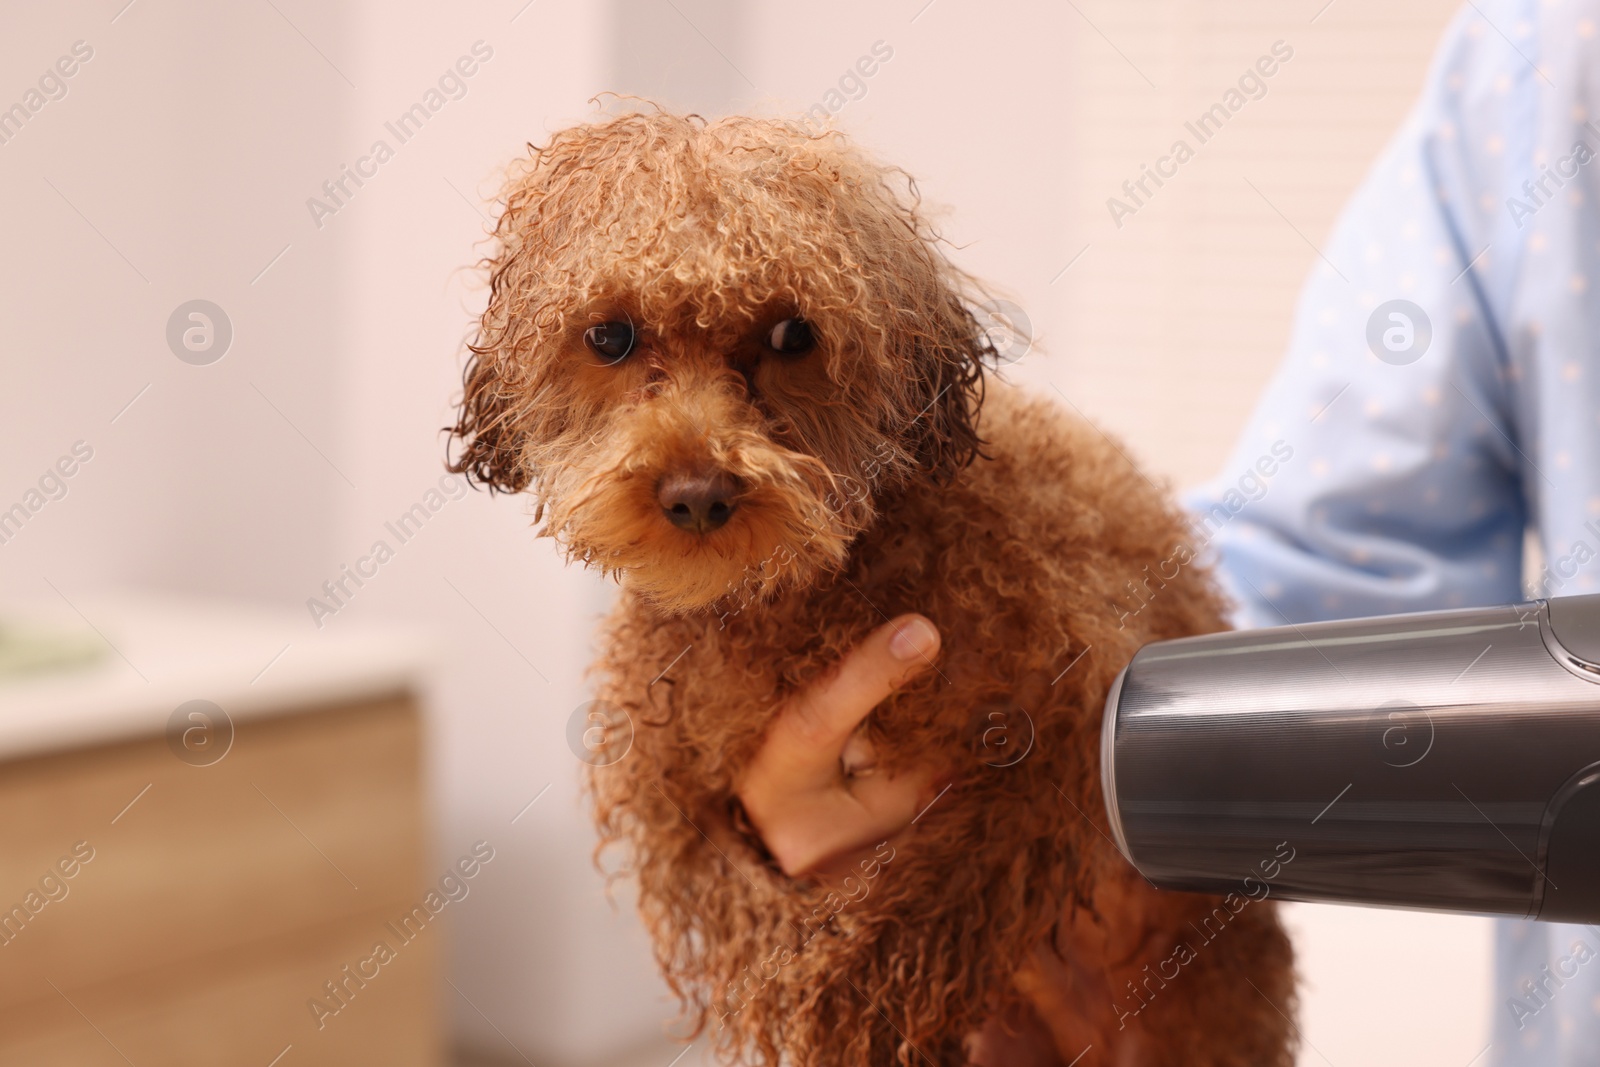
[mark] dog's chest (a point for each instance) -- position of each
(950, 554)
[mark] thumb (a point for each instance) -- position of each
(822, 717)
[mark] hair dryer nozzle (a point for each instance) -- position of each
(1444, 760)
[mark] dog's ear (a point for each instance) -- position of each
(550, 197)
(490, 427)
(491, 452)
(948, 360)
(937, 350)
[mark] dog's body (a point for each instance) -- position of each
(830, 486)
(1019, 562)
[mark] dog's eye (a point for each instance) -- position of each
(791, 337)
(611, 341)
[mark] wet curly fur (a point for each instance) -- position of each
(875, 477)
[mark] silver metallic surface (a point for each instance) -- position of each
(1108, 763)
(1442, 760)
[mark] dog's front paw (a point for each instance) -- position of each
(1018, 1038)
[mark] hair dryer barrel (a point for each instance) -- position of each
(1444, 760)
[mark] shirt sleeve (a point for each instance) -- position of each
(1382, 470)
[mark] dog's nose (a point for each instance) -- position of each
(699, 502)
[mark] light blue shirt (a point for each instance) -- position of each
(1413, 476)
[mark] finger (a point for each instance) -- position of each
(859, 758)
(890, 802)
(841, 824)
(812, 730)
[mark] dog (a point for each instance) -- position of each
(736, 370)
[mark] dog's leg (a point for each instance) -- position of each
(1071, 995)
(1153, 979)
(1016, 1038)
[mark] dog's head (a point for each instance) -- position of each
(711, 351)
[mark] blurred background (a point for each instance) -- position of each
(358, 743)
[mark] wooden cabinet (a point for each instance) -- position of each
(163, 913)
(220, 901)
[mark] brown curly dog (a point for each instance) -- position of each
(738, 373)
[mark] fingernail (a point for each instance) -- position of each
(914, 639)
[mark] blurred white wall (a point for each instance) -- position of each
(171, 170)
(180, 163)
(1174, 319)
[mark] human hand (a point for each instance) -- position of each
(807, 807)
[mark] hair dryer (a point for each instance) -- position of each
(1445, 760)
